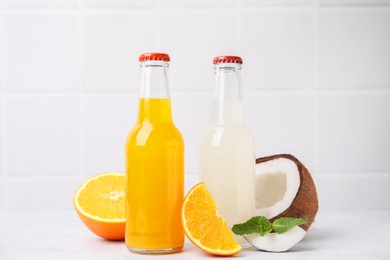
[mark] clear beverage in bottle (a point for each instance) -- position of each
(228, 149)
(154, 166)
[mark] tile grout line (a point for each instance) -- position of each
(157, 17)
(81, 88)
(184, 8)
(3, 118)
(353, 7)
(316, 87)
(352, 174)
(192, 91)
(239, 27)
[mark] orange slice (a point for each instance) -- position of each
(100, 204)
(203, 226)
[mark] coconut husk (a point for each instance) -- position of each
(305, 203)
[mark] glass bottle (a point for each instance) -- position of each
(154, 166)
(228, 149)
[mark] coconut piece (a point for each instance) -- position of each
(285, 188)
(274, 242)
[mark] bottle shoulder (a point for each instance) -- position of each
(237, 133)
(145, 133)
(231, 127)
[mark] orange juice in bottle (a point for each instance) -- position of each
(154, 167)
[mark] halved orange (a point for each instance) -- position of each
(204, 227)
(100, 204)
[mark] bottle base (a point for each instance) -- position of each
(154, 251)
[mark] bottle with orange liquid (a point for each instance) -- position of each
(154, 166)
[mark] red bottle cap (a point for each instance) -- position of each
(154, 56)
(227, 59)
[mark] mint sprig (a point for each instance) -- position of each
(262, 226)
(282, 225)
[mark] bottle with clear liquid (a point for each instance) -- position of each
(154, 166)
(228, 149)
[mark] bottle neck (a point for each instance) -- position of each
(227, 105)
(154, 110)
(154, 98)
(154, 79)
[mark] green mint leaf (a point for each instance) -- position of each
(260, 225)
(282, 225)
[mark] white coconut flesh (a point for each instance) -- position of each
(277, 184)
(274, 242)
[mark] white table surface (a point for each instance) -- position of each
(61, 235)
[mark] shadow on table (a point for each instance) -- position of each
(314, 239)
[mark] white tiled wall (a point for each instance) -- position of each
(354, 48)
(107, 120)
(353, 131)
(46, 63)
(43, 135)
(283, 122)
(316, 82)
(111, 42)
(279, 44)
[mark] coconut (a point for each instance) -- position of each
(285, 188)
